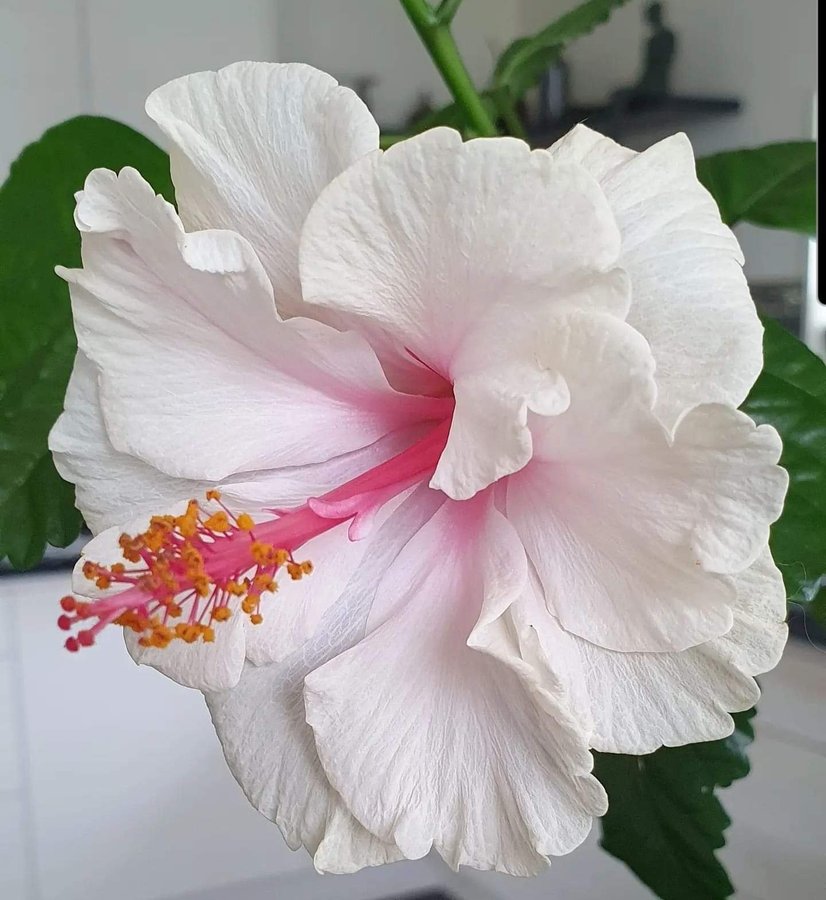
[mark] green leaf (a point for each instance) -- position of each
(524, 61)
(774, 185)
(37, 343)
(663, 819)
(791, 395)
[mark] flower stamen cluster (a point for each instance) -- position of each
(182, 580)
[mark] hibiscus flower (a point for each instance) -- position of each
(488, 396)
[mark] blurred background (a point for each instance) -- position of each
(111, 779)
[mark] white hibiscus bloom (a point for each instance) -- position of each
(490, 393)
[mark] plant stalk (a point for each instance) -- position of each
(435, 34)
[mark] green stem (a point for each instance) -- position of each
(435, 35)
(446, 10)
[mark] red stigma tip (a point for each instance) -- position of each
(64, 623)
(72, 645)
(68, 604)
(85, 638)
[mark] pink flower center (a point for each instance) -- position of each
(186, 572)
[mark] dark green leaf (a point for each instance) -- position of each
(524, 61)
(773, 186)
(664, 820)
(791, 395)
(37, 344)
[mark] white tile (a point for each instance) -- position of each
(13, 863)
(777, 839)
(10, 779)
(8, 597)
(793, 694)
(127, 775)
(392, 881)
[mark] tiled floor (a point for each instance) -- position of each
(90, 792)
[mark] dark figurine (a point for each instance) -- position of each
(659, 55)
(652, 89)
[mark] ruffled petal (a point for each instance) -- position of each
(641, 701)
(498, 778)
(261, 722)
(197, 374)
(630, 531)
(253, 146)
(689, 296)
(461, 293)
(110, 487)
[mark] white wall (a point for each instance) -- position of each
(60, 58)
(762, 51)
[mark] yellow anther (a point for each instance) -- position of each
(213, 495)
(222, 613)
(187, 632)
(306, 567)
(264, 554)
(130, 547)
(264, 582)
(295, 571)
(245, 522)
(256, 619)
(250, 603)
(218, 521)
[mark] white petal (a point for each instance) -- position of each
(456, 250)
(433, 741)
(198, 376)
(731, 465)
(503, 374)
(641, 701)
(689, 296)
(630, 531)
(253, 145)
(261, 723)
(270, 751)
(290, 486)
(111, 487)
(758, 636)
(430, 236)
(294, 613)
(489, 435)
(206, 667)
